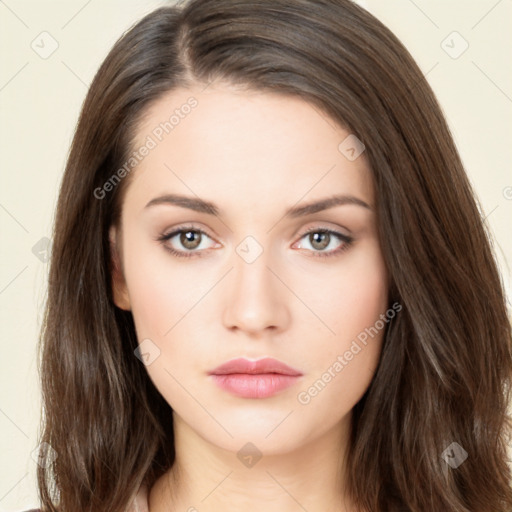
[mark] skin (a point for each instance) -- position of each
(254, 155)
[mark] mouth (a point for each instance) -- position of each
(254, 379)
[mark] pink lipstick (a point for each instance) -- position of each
(254, 379)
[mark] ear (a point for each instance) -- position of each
(119, 288)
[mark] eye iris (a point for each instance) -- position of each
(187, 239)
(319, 237)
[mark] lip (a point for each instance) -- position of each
(265, 365)
(254, 379)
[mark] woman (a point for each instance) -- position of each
(270, 284)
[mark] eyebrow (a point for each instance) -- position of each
(203, 206)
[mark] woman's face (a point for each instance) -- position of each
(248, 281)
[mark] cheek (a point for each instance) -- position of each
(350, 297)
(353, 306)
(158, 296)
(162, 298)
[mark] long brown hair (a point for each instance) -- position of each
(446, 366)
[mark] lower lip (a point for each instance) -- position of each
(254, 386)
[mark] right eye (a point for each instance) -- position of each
(189, 237)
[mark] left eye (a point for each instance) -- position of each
(320, 240)
(191, 238)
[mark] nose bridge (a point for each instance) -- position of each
(255, 300)
(251, 262)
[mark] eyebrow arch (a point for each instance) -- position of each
(325, 204)
(202, 206)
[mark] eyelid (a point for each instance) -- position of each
(320, 227)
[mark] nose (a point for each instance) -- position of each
(256, 297)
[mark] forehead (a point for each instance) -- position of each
(247, 145)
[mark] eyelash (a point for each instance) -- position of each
(198, 254)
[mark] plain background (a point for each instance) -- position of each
(40, 100)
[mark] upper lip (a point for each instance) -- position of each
(265, 365)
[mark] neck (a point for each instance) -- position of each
(208, 478)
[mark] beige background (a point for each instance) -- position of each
(39, 104)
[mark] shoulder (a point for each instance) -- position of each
(140, 503)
